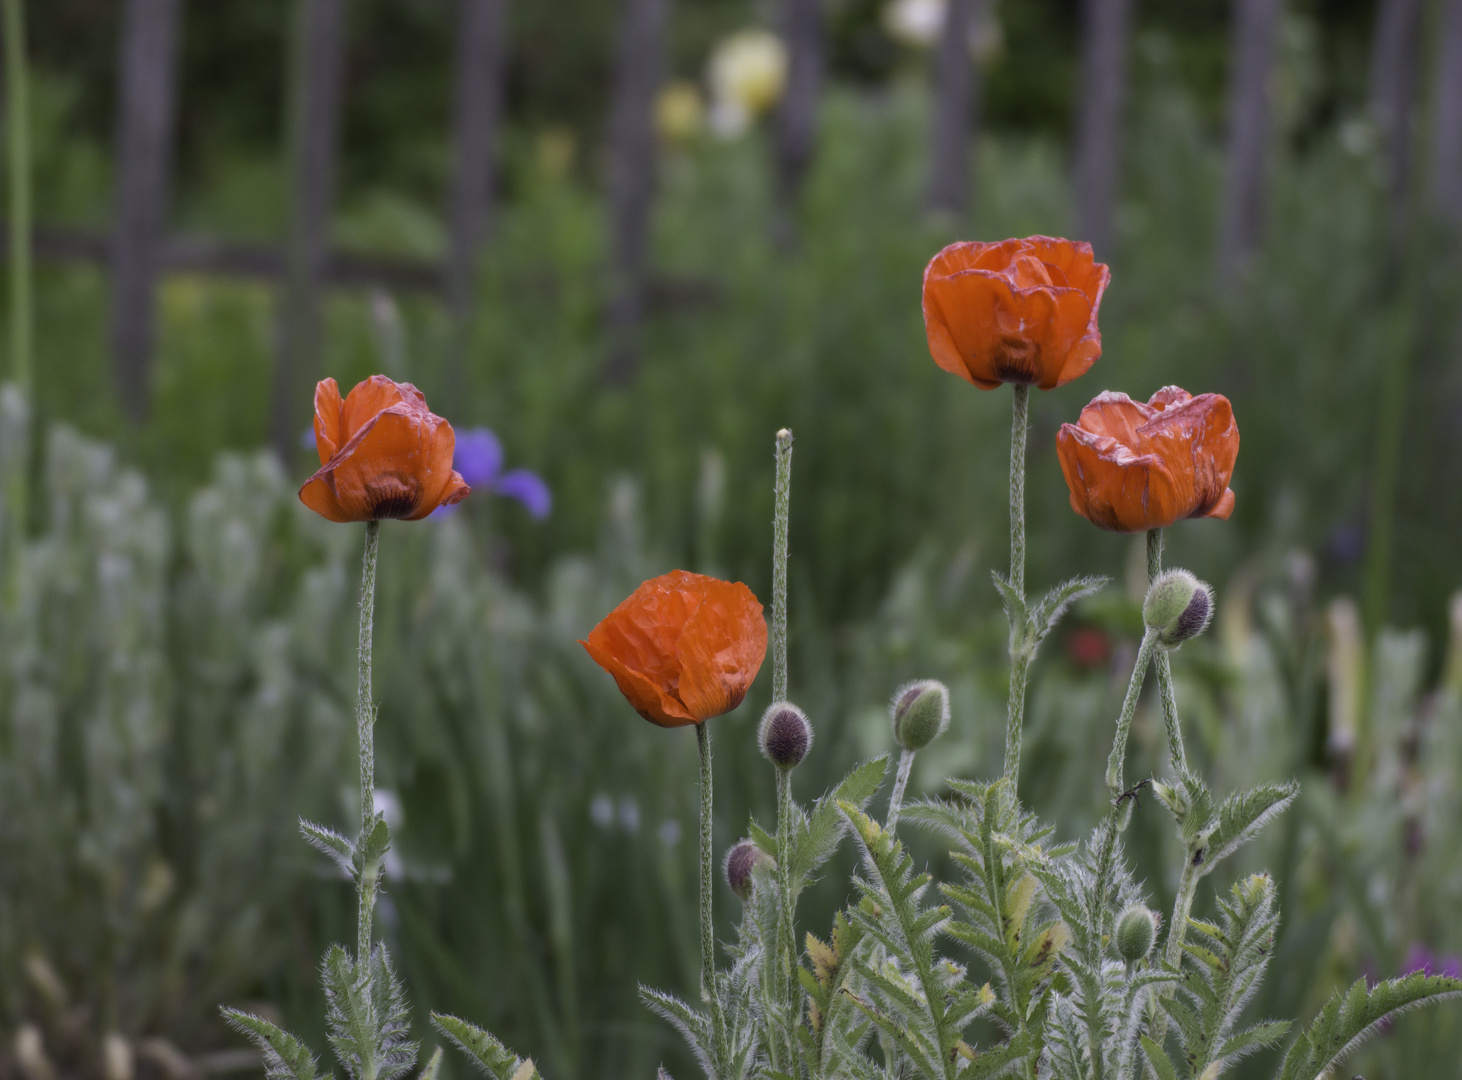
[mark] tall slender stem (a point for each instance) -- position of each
(1129, 710)
(1182, 907)
(17, 120)
(365, 719)
(1020, 423)
(900, 784)
(708, 931)
(786, 943)
(1019, 653)
(783, 492)
(1164, 666)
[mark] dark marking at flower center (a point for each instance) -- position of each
(392, 499)
(1017, 360)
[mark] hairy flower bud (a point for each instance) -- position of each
(1136, 931)
(920, 713)
(785, 735)
(741, 861)
(1178, 607)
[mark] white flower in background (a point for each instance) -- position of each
(915, 22)
(747, 74)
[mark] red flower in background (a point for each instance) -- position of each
(1020, 311)
(683, 647)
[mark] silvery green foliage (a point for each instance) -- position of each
(366, 1013)
(157, 686)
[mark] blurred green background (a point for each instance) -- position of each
(178, 650)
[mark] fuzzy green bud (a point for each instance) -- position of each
(1178, 607)
(785, 735)
(1136, 931)
(920, 713)
(743, 860)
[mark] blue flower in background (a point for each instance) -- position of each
(479, 458)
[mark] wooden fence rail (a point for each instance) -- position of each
(138, 249)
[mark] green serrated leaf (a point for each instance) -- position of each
(329, 842)
(485, 1051)
(433, 1065)
(375, 844)
(1243, 815)
(1047, 613)
(1158, 1058)
(1347, 1019)
(285, 1057)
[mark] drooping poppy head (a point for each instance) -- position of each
(383, 454)
(683, 648)
(1020, 311)
(1133, 467)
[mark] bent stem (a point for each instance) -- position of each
(365, 717)
(1019, 659)
(1164, 666)
(708, 933)
(896, 800)
(1129, 710)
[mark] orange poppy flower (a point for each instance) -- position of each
(383, 454)
(1020, 311)
(683, 648)
(1133, 467)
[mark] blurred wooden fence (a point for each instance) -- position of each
(139, 249)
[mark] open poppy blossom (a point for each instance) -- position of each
(1133, 467)
(383, 454)
(683, 648)
(1020, 311)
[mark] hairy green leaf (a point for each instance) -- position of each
(285, 1057)
(489, 1055)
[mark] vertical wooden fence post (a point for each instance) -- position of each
(1395, 49)
(481, 66)
(1256, 28)
(146, 106)
(1446, 186)
(802, 33)
(314, 131)
(956, 108)
(638, 71)
(1105, 29)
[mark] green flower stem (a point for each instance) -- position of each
(708, 931)
(17, 121)
(1164, 666)
(900, 783)
(786, 943)
(783, 494)
(1182, 908)
(365, 718)
(1019, 656)
(1129, 710)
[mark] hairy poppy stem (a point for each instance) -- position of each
(1164, 665)
(1019, 655)
(708, 931)
(783, 493)
(900, 784)
(786, 944)
(365, 718)
(1129, 710)
(17, 121)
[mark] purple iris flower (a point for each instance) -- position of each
(1420, 958)
(479, 458)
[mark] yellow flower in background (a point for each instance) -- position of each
(679, 111)
(747, 74)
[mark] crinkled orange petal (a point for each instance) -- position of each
(440, 484)
(319, 496)
(367, 400)
(721, 649)
(642, 631)
(648, 699)
(327, 419)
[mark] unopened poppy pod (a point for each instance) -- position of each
(1131, 467)
(1020, 311)
(383, 454)
(683, 648)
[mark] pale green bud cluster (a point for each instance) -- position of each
(1136, 932)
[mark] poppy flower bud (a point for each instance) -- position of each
(744, 859)
(785, 735)
(920, 713)
(1136, 931)
(1178, 607)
